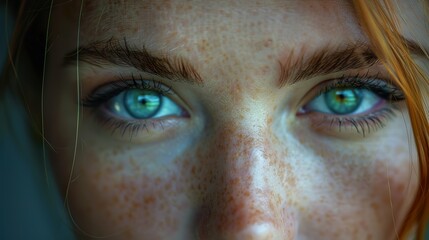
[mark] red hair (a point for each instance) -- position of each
(378, 20)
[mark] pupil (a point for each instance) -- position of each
(142, 100)
(142, 103)
(341, 97)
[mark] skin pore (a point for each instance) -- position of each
(241, 160)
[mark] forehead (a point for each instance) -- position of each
(219, 36)
(181, 6)
(176, 24)
(169, 18)
(226, 41)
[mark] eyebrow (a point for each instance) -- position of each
(120, 53)
(292, 69)
(330, 60)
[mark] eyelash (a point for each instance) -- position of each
(365, 123)
(110, 90)
(373, 83)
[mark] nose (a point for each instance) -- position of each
(245, 198)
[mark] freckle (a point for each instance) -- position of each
(225, 57)
(203, 45)
(130, 214)
(268, 43)
(136, 205)
(264, 70)
(269, 121)
(115, 199)
(149, 200)
(235, 91)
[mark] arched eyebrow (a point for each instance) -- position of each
(119, 53)
(330, 60)
(293, 69)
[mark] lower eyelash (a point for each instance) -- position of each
(362, 125)
(126, 126)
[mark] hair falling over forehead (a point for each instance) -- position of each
(377, 18)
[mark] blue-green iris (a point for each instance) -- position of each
(142, 103)
(343, 101)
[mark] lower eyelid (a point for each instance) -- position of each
(360, 124)
(137, 130)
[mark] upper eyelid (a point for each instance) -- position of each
(346, 80)
(113, 88)
(361, 81)
(137, 82)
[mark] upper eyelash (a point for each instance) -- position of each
(367, 123)
(362, 124)
(98, 97)
(373, 83)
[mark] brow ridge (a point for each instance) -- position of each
(293, 69)
(324, 61)
(357, 55)
(120, 53)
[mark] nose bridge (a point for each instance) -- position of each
(244, 200)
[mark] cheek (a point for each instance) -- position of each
(361, 196)
(356, 190)
(116, 190)
(116, 195)
(395, 185)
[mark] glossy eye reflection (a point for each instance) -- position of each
(344, 101)
(142, 104)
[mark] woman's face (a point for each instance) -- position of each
(226, 120)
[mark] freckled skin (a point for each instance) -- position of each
(243, 166)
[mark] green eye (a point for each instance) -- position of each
(343, 101)
(142, 103)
